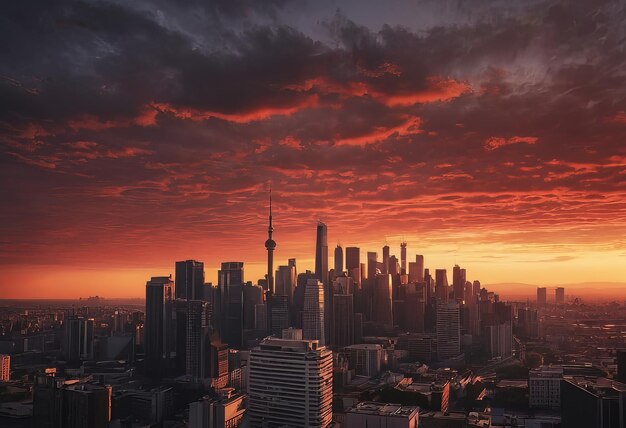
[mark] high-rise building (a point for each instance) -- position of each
(197, 332)
(416, 269)
(189, 281)
(158, 327)
(290, 384)
(542, 296)
(448, 330)
(78, 338)
(458, 282)
(5, 368)
(343, 320)
(230, 286)
(217, 354)
(441, 285)
(403, 270)
(499, 339)
(372, 264)
(270, 245)
(353, 259)
(321, 253)
(279, 314)
(385, 265)
(252, 296)
(559, 296)
(314, 312)
(285, 281)
(382, 310)
(592, 402)
(338, 260)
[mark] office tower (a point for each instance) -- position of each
(314, 312)
(393, 267)
(414, 312)
(366, 358)
(528, 323)
(403, 270)
(227, 410)
(382, 308)
(252, 296)
(542, 296)
(321, 253)
(458, 282)
(217, 355)
(78, 338)
(230, 284)
(421, 346)
(385, 265)
(416, 269)
(260, 317)
(441, 285)
(372, 264)
(158, 328)
(476, 288)
(189, 281)
(374, 414)
(338, 260)
(285, 281)
(343, 320)
(279, 314)
(448, 330)
(499, 339)
(270, 245)
(297, 306)
(290, 384)
(559, 297)
(353, 259)
(196, 338)
(621, 366)
(544, 387)
(5, 367)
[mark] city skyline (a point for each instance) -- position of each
(489, 135)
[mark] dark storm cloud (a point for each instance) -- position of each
(511, 118)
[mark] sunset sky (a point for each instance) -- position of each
(134, 134)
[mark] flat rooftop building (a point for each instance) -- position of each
(370, 414)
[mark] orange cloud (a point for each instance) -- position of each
(494, 143)
(411, 126)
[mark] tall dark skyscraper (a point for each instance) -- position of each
(321, 253)
(403, 270)
(458, 282)
(189, 280)
(385, 267)
(338, 260)
(230, 285)
(158, 325)
(78, 338)
(270, 245)
(441, 285)
(353, 259)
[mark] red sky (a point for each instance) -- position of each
(136, 135)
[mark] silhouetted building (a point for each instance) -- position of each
(441, 285)
(338, 260)
(343, 320)
(290, 384)
(403, 270)
(321, 253)
(314, 312)
(416, 269)
(458, 282)
(592, 403)
(382, 312)
(542, 296)
(559, 296)
(78, 338)
(270, 245)
(227, 410)
(448, 330)
(189, 280)
(230, 285)
(158, 328)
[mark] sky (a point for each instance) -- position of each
(485, 133)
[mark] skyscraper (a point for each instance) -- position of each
(343, 320)
(158, 327)
(338, 260)
(285, 283)
(542, 296)
(559, 296)
(230, 285)
(196, 338)
(448, 330)
(441, 285)
(189, 280)
(382, 303)
(270, 245)
(290, 384)
(353, 259)
(385, 266)
(321, 253)
(416, 269)
(78, 338)
(314, 311)
(372, 264)
(458, 282)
